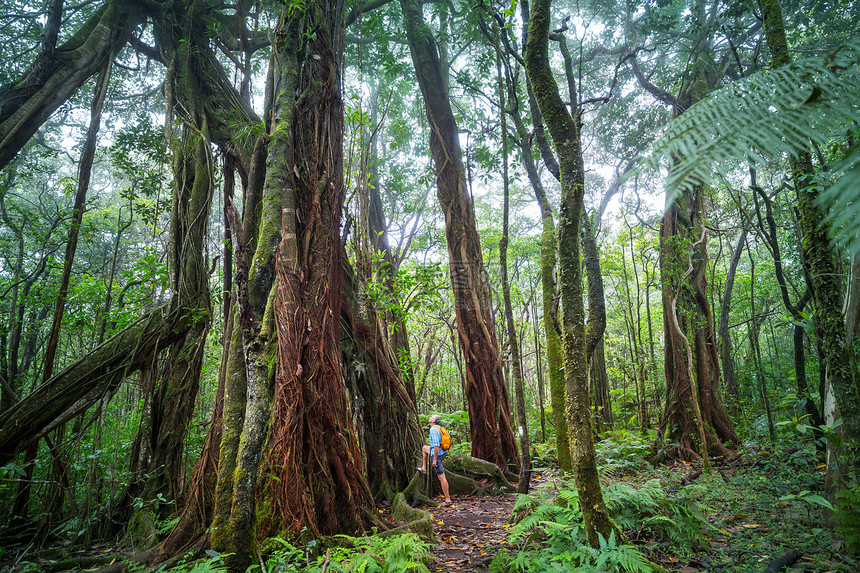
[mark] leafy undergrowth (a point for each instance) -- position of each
(372, 554)
(404, 553)
(740, 517)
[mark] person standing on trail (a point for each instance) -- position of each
(438, 453)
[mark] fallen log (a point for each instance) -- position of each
(692, 477)
(783, 561)
(83, 383)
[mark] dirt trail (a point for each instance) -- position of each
(471, 532)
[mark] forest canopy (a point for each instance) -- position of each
(247, 248)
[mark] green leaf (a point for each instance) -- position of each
(817, 499)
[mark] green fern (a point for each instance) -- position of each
(848, 518)
(552, 536)
(652, 509)
(541, 515)
(768, 114)
(371, 554)
(391, 554)
(614, 557)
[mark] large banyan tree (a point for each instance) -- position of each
(284, 412)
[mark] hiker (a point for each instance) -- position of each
(435, 449)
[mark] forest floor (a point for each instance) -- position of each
(748, 513)
(756, 509)
(470, 532)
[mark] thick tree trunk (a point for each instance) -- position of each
(694, 405)
(297, 414)
(312, 451)
(489, 407)
(690, 349)
(383, 412)
(246, 427)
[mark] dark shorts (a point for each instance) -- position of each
(439, 457)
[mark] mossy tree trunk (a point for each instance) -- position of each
(565, 131)
(825, 267)
(249, 385)
(383, 411)
(159, 469)
(312, 451)
(297, 461)
(596, 324)
(489, 406)
(548, 291)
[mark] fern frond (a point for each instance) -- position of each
(771, 114)
(843, 196)
(524, 501)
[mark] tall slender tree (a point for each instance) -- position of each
(824, 267)
(487, 395)
(565, 131)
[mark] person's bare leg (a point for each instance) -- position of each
(444, 481)
(425, 451)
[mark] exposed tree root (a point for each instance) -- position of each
(417, 520)
(466, 476)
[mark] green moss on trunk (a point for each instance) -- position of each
(566, 137)
(235, 390)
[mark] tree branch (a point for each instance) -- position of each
(658, 93)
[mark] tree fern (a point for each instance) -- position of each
(769, 114)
